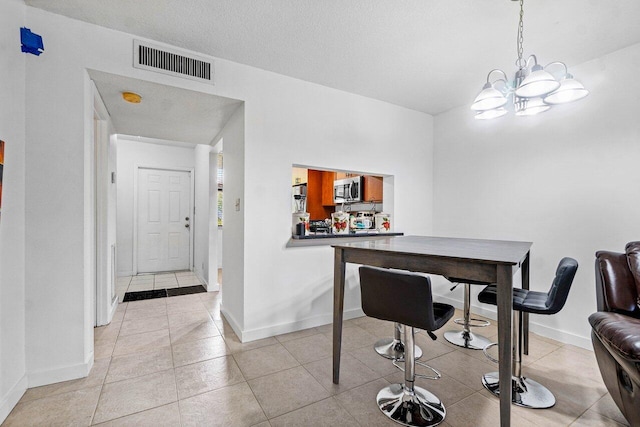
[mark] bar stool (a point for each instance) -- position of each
(406, 298)
(527, 392)
(465, 338)
(393, 347)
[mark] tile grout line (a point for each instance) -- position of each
(252, 392)
(362, 385)
(108, 367)
(601, 414)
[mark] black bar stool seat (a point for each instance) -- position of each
(406, 299)
(527, 392)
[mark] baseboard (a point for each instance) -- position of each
(562, 336)
(543, 330)
(209, 287)
(57, 375)
(284, 328)
(114, 307)
(10, 400)
(232, 322)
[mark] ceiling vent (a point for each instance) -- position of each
(172, 62)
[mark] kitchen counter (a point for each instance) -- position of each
(329, 239)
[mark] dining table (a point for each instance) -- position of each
(490, 261)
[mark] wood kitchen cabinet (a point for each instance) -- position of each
(372, 188)
(327, 188)
(320, 194)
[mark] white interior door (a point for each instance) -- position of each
(164, 220)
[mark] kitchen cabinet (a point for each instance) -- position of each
(327, 187)
(320, 194)
(372, 188)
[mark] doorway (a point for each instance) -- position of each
(168, 121)
(163, 220)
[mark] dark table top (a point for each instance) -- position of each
(475, 250)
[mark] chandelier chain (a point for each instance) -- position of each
(520, 62)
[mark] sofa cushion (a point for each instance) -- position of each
(615, 284)
(633, 259)
(620, 332)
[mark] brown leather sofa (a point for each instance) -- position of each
(615, 327)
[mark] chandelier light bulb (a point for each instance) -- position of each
(538, 83)
(570, 90)
(488, 99)
(491, 114)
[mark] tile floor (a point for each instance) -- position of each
(147, 282)
(174, 361)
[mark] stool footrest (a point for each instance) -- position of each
(473, 323)
(487, 355)
(437, 375)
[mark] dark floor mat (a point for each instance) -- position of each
(142, 295)
(186, 290)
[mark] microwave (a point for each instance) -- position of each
(347, 190)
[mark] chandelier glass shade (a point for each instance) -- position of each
(533, 90)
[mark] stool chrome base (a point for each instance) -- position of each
(526, 392)
(419, 408)
(467, 339)
(393, 349)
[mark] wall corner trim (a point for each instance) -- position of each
(10, 400)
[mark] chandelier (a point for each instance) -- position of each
(533, 90)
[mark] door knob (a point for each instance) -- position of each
(186, 219)
(186, 225)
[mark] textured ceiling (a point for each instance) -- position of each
(427, 55)
(166, 112)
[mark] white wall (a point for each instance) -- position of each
(201, 223)
(294, 122)
(564, 180)
(13, 381)
(286, 122)
(233, 242)
(130, 155)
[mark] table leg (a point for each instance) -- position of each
(338, 310)
(524, 271)
(505, 310)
